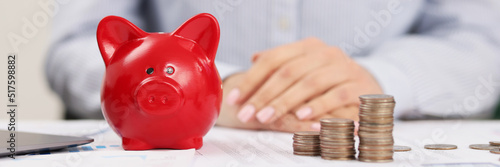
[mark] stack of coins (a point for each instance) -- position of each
(306, 143)
(376, 122)
(337, 139)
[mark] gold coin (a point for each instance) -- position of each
(376, 96)
(377, 144)
(495, 151)
(377, 107)
(365, 110)
(305, 143)
(336, 120)
(330, 138)
(376, 115)
(305, 139)
(379, 104)
(482, 146)
(366, 101)
(337, 144)
(338, 130)
(374, 135)
(364, 129)
(306, 148)
(307, 133)
(375, 125)
(307, 153)
(299, 148)
(375, 155)
(336, 136)
(338, 148)
(375, 148)
(375, 160)
(380, 121)
(440, 146)
(338, 153)
(341, 159)
(398, 148)
(374, 109)
(495, 143)
(388, 140)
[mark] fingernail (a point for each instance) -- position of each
(316, 126)
(265, 114)
(233, 96)
(303, 113)
(246, 113)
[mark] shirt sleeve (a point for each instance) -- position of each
(448, 67)
(227, 69)
(74, 67)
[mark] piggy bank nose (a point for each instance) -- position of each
(159, 97)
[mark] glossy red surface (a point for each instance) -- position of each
(160, 90)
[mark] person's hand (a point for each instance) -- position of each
(290, 123)
(287, 123)
(227, 116)
(306, 78)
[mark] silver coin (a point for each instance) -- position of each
(495, 143)
(482, 146)
(440, 146)
(398, 148)
(495, 151)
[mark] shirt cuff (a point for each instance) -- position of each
(393, 82)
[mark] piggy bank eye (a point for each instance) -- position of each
(169, 70)
(150, 71)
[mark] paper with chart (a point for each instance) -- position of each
(105, 151)
(232, 147)
(236, 147)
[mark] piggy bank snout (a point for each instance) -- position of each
(159, 97)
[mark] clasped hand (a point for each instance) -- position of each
(290, 87)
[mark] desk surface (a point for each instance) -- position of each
(233, 147)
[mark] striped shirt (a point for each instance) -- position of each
(439, 58)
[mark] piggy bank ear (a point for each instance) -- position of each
(112, 32)
(204, 30)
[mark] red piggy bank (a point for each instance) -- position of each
(160, 90)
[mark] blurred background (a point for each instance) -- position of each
(35, 99)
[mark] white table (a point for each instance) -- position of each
(234, 147)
